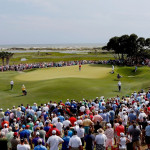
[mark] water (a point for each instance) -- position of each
(83, 45)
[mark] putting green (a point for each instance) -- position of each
(87, 71)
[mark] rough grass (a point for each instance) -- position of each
(89, 85)
(56, 57)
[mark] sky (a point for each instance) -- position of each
(71, 21)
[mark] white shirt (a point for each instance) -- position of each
(66, 123)
(79, 122)
(45, 108)
(141, 116)
(122, 143)
(75, 141)
(119, 83)
(96, 107)
(54, 141)
(76, 127)
(23, 147)
(113, 67)
(120, 114)
(5, 130)
(80, 132)
(101, 139)
(59, 126)
(124, 119)
(54, 120)
(12, 82)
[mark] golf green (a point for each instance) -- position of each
(87, 71)
(62, 83)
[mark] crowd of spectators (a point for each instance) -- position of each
(119, 123)
(21, 67)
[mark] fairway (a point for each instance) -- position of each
(87, 71)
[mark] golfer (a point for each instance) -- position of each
(135, 68)
(24, 90)
(79, 67)
(119, 76)
(11, 84)
(113, 69)
(119, 86)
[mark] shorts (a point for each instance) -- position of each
(103, 123)
(109, 142)
(74, 148)
(86, 128)
(115, 134)
(147, 139)
(117, 139)
(100, 147)
(136, 144)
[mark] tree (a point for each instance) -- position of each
(147, 42)
(131, 46)
(2, 56)
(6, 55)
(123, 42)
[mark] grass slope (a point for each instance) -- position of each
(56, 89)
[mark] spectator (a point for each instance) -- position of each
(100, 140)
(54, 141)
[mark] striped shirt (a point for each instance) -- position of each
(109, 133)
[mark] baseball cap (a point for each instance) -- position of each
(23, 126)
(121, 134)
(27, 126)
(109, 125)
(37, 133)
(54, 132)
(15, 133)
(39, 140)
(5, 125)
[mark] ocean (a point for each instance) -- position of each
(89, 45)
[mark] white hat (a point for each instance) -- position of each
(29, 119)
(39, 140)
(37, 122)
(37, 133)
(109, 125)
(5, 124)
(121, 134)
(54, 132)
